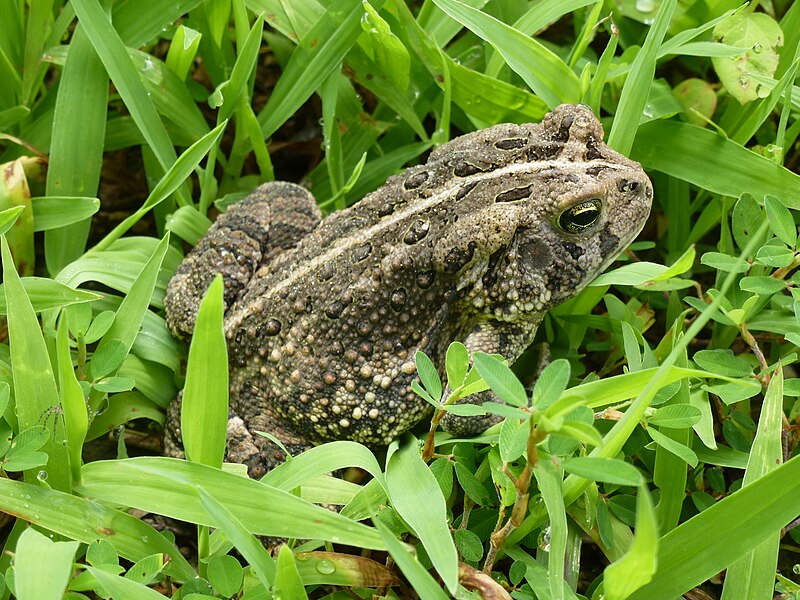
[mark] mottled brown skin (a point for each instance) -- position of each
(324, 317)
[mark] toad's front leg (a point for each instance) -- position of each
(508, 339)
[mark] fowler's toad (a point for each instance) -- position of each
(323, 316)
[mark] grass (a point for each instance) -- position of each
(656, 455)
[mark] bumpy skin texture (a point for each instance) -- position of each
(324, 319)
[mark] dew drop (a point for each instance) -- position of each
(543, 541)
(326, 567)
(42, 475)
(645, 6)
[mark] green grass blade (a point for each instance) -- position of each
(753, 576)
(416, 495)
(171, 96)
(323, 459)
(76, 418)
(39, 17)
(669, 472)
(86, 521)
(694, 154)
(543, 71)
(122, 588)
(139, 21)
(9, 216)
(539, 15)
(247, 545)
(709, 542)
(422, 581)
(34, 385)
(637, 86)
(242, 69)
(167, 486)
(76, 150)
(287, 579)
(637, 566)
(204, 409)
(42, 567)
(320, 52)
(118, 64)
(549, 477)
(46, 293)
(177, 173)
(50, 212)
(130, 314)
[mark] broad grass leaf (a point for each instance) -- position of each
(336, 568)
(637, 87)
(9, 216)
(15, 191)
(241, 73)
(608, 470)
(139, 21)
(636, 273)
(42, 567)
(34, 380)
(693, 154)
(114, 55)
(76, 149)
(183, 50)
(204, 408)
(752, 576)
(177, 173)
(709, 542)
(87, 521)
(167, 486)
(319, 460)
(501, 379)
(550, 479)
(321, 51)
(416, 496)
(637, 566)
(389, 54)
(45, 294)
(50, 212)
(551, 79)
(537, 575)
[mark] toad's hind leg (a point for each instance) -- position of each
(248, 235)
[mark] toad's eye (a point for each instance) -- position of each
(580, 217)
